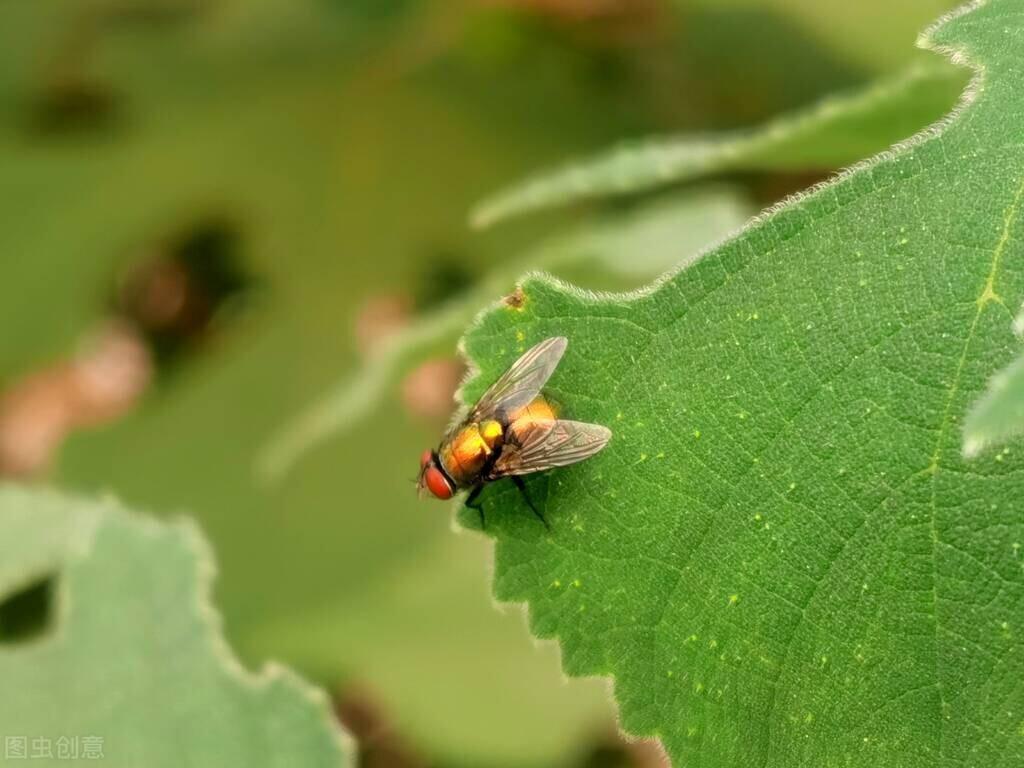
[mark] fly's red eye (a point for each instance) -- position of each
(425, 459)
(437, 483)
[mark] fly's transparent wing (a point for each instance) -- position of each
(548, 444)
(521, 383)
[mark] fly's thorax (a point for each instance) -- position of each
(465, 455)
(492, 433)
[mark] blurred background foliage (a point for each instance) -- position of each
(213, 210)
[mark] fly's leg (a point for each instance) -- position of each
(473, 503)
(529, 502)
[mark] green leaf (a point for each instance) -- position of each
(135, 666)
(836, 132)
(999, 415)
(637, 246)
(782, 557)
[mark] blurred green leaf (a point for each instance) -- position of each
(852, 30)
(782, 558)
(135, 666)
(998, 416)
(408, 625)
(302, 140)
(838, 131)
(637, 246)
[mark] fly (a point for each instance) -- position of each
(513, 431)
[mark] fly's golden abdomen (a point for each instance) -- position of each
(526, 418)
(538, 410)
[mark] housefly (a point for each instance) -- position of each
(512, 431)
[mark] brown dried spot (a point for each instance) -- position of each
(111, 373)
(34, 420)
(379, 745)
(174, 291)
(428, 391)
(515, 300)
(157, 294)
(100, 384)
(380, 318)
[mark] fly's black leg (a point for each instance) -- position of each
(472, 503)
(529, 502)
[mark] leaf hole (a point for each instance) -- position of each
(185, 290)
(73, 105)
(28, 614)
(447, 274)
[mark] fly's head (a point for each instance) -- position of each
(433, 478)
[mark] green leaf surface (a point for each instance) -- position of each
(782, 557)
(836, 132)
(636, 247)
(134, 670)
